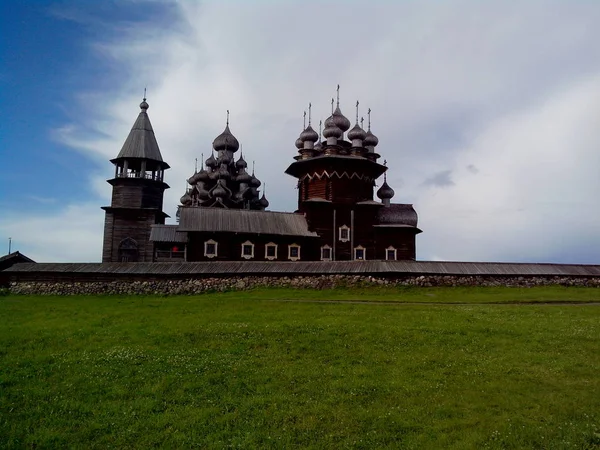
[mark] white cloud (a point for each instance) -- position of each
(500, 94)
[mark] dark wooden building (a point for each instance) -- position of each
(222, 214)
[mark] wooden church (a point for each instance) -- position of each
(223, 216)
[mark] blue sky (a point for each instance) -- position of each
(487, 112)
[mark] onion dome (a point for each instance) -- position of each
(263, 202)
(370, 140)
(144, 105)
(385, 192)
(332, 130)
(244, 177)
(299, 143)
(357, 133)
(309, 135)
(226, 140)
(318, 145)
(203, 194)
(340, 120)
(220, 190)
(193, 179)
(223, 173)
(202, 176)
(225, 158)
(254, 182)
(241, 163)
(186, 199)
(211, 162)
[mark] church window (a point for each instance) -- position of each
(247, 250)
(271, 251)
(360, 253)
(344, 233)
(210, 248)
(294, 252)
(326, 253)
(390, 254)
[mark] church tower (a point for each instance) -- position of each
(336, 178)
(137, 195)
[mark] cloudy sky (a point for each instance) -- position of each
(488, 113)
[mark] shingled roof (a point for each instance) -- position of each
(243, 221)
(141, 142)
(167, 233)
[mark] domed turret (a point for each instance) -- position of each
(263, 202)
(224, 173)
(220, 190)
(385, 192)
(340, 120)
(332, 132)
(212, 161)
(202, 176)
(226, 140)
(254, 182)
(309, 135)
(244, 177)
(241, 163)
(186, 199)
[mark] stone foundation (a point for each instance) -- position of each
(201, 285)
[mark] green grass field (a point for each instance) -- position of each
(282, 368)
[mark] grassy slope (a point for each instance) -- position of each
(234, 370)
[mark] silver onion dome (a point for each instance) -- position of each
(254, 182)
(220, 190)
(186, 199)
(211, 162)
(202, 176)
(241, 163)
(332, 130)
(370, 140)
(357, 133)
(226, 140)
(309, 135)
(340, 120)
(299, 143)
(385, 191)
(144, 105)
(263, 202)
(244, 177)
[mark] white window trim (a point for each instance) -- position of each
(360, 247)
(271, 244)
(395, 253)
(210, 241)
(344, 227)
(295, 258)
(251, 255)
(330, 253)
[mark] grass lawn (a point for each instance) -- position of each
(247, 370)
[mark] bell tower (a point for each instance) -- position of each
(137, 195)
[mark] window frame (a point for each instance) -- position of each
(326, 247)
(341, 230)
(211, 255)
(290, 257)
(248, 244)
(390, 248)
(270, 245)
(364, 251)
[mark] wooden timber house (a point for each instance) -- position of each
(223, 217)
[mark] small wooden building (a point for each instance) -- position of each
(222, 215)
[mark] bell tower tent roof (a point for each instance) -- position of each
(141, 142)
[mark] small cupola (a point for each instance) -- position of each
(385, 192)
